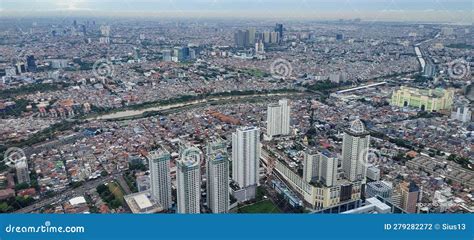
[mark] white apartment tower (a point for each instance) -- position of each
(328, 163)
(320, 167)
(217, 170)
(355, 148)
(278, 118)
(160, 177)
(22, 173)
(311, 166)
(246, 156)
(188, 178)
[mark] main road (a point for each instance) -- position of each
(67, 194)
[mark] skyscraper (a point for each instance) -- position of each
(310, 166)
(160, 177)
(320, 167)
(328, 163)
(245, 156)
(251, 32)
(274, 37)
(259, 47)
(355, 147)
(181, 54)
(273, 119)
(188, 180)
(241, 38)
(30, 63)
(278, 118)
(217, 169)
(84, 29)
(245, 38)
(266, 37)
(166, 55)
(279, 30)
(409, 196)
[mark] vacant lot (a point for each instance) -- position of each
(265, 206)
(116, 191)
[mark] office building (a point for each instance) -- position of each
(373, 173)
(188, 179)
(278, 118)
(379, 188)
(423, 99)
(84, 30)
(217, 170)
(409, 192)
(31, 63)
(355, 148)
(246, 156)
(279, 30)
(160, 177)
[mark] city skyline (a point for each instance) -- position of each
(203, 114)
(367, 10)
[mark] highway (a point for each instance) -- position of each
(69, 193)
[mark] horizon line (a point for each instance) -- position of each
(413, 16)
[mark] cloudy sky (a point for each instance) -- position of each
(401, 10)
